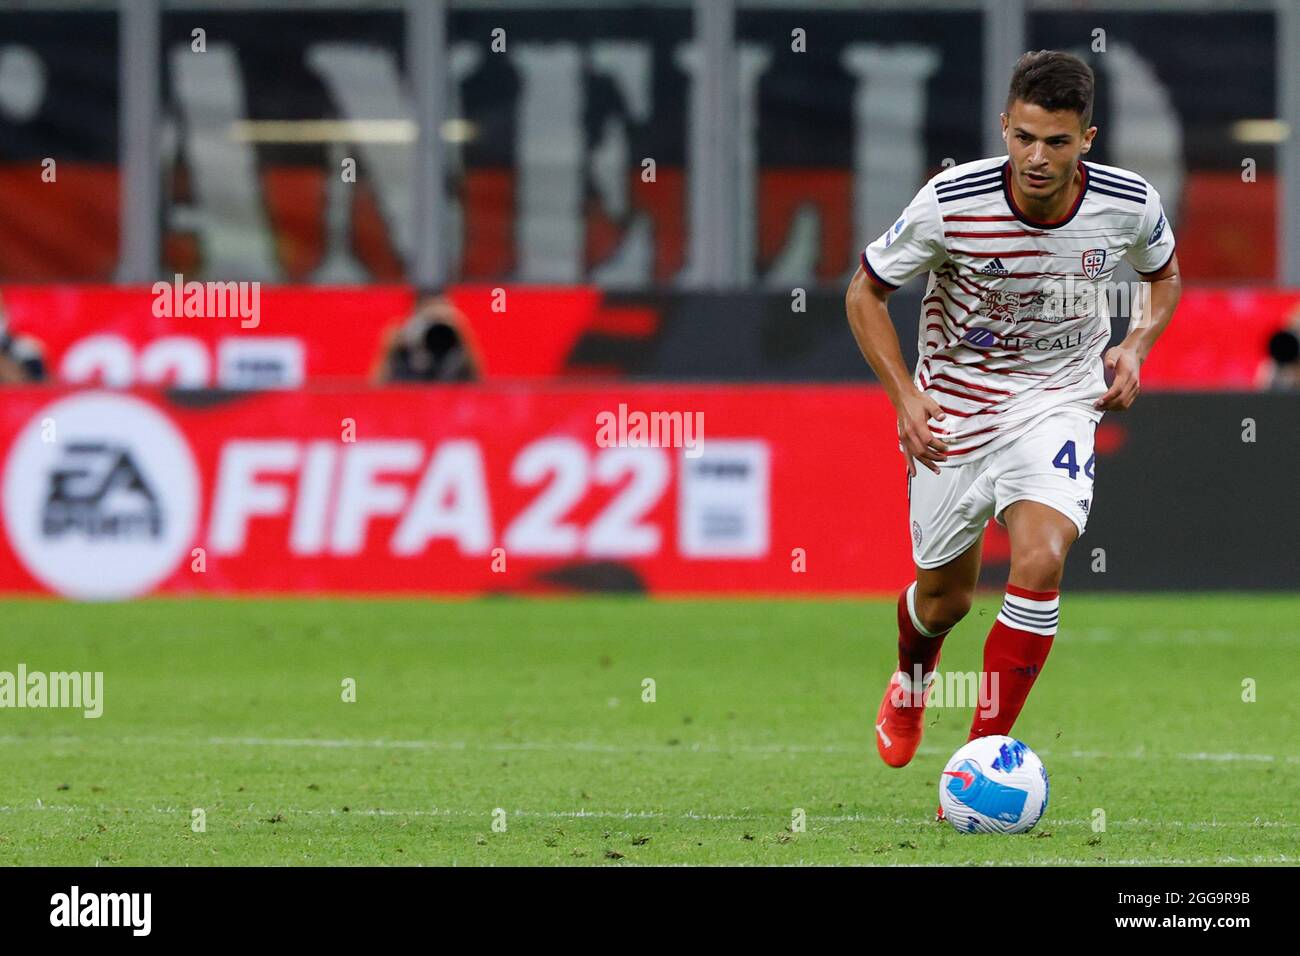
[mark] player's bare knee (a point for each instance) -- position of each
(1040, 566)
(956, 606)
(941, 612)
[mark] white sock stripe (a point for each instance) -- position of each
(911, 612)
(1026, 623)
(1028, 604)
(1046, 630)
(1026, 614)
(1030, 615)
(1044, 608)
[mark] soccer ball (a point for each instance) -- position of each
(993, 785)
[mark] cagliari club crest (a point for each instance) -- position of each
(1094, 260)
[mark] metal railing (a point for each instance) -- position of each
(714, 199)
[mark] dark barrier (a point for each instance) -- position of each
(1183, 502)
(755, 336)
(790, 336)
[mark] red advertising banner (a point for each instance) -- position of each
(254, 336)
(459, 489)
(1218, 339)
(103, 335)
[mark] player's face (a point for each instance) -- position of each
(1044, 147)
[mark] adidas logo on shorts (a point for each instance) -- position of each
(1083, 504)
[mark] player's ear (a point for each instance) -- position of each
(1088, 134)
(1005, 123)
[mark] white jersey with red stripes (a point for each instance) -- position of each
(1015, 315)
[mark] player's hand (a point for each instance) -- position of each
(918, 442)
(1122, 366)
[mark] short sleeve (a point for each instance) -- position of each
(1154, 245)
(912, 245)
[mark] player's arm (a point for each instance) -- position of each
(1158, 298)
(875, 335)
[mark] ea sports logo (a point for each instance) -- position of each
(100, 496)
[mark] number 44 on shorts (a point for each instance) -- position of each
(1068, 459)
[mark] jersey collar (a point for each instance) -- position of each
(1055, 223)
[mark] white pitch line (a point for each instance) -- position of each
(710, 748)
(629, 815)
(594, 747)
(535, 745)
(814, 818)
(1263, 758)
(1072, 635)
(1150, 861)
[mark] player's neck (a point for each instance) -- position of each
(1053, 208)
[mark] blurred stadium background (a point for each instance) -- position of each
(649, 204)
(459, 233)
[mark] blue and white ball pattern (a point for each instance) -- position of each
(993, 785)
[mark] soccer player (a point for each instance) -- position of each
(1011, 378)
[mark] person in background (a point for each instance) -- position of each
(1280, 371)
(433, 345)
(22, 358)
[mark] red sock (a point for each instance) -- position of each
(1014, 654)
(914, 648)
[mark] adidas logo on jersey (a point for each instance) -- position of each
(995, 268)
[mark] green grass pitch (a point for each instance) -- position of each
(535, 707)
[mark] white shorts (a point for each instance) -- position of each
(1052, 463)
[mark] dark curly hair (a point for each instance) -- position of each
(1055, 81)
